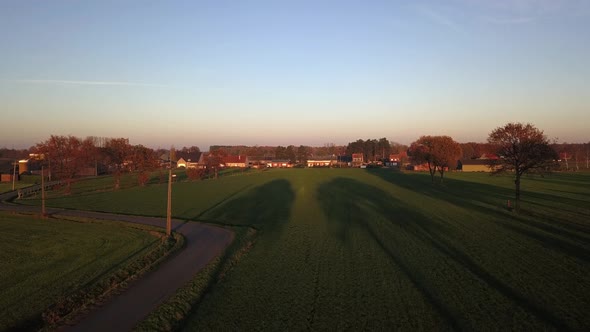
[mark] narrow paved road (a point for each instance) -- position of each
(126, 310)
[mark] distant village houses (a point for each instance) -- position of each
(189, 160)
(323, 161)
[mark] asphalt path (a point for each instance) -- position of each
(125, 310)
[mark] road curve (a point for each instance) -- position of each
(127, 309)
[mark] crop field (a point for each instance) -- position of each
(376, 249)
(42, 261)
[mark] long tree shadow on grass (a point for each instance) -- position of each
(482, 192)
(547, 228)
(347, 203)
(224, 200)
(265, 207)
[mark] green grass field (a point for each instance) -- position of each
(42, 261)
(375, 249)
(7, 186)
(25, 181)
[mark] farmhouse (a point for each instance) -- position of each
(23, 165)
(279, 163)
(357, 159)
(396, 159)
(255, 162)
(7, 169)
(474, 165)
(188, 160)
(32, 165)
(187, 163)
(8, 178)
(326, 161)
(235, 161)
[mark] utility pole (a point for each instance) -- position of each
(13, 174)
(43, 214)
(169, 211)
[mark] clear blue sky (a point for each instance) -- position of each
(291, 72)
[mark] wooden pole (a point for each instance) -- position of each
(13, 174)
(169, 211)
(43, 214)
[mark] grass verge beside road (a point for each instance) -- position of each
(172, 314)
(51, 269)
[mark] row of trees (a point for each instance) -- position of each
(377, 149)
(13, 154)
(438, 152)
(67, 157)
(372, 149)
(290, 152)
(520, 149)
(517, 149)
(573, 156)
(293, 154)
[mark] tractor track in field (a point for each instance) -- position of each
(125, 310)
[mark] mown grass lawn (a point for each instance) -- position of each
(42, 261)
(375, 249)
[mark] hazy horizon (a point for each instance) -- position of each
(303, 73)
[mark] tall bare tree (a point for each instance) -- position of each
(291, 154)
(302, 154)
(383, 148)
(117, 151)
(357, 146)
(398, 147)
(281, 152)
(438, 152)
(421, 153)
(446, 152)
(67, 155)
(214, 160)
(522, 149)
(143, 160)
